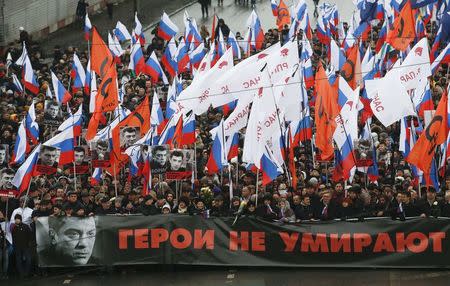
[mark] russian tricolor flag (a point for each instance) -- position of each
(188, 131)
(168, 59)
(61, 93)
(257, 34)
(232, 42)
(28, 77)
(24, 174)
(31, 126)
(121, 32)
(166, 29)
(270, 168)
(191, 34)
(65, 142)
(217, 158)
(21, 148)
(156, 114)
(174, 90)
(138, 30)
(137, 61)
(182, 57)
(344, 160)
(77, 74)
(169, 131)
(96, 177)
(197, 55)
(17, 83)
(73, 121)
(232, 145)
(154, 69)
(443, 58)
(87, 27)
(274, 6)
(308, 74)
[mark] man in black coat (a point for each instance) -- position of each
(148, 206)
(22, 238)
(445, 207)
(429, 206)
(268, 210)
(326, 209)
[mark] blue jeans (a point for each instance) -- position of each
(23, 261)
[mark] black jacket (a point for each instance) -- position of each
(149, 209)
(21, 235)
(267, 213)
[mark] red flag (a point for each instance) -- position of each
(325, 111)
(101, 58)
(140, 117)
(283, 16)
(178, 134)
(435, 134)
(403, 31)
(108, 91)
(351, 70)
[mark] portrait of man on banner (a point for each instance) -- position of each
(6, 178)
(66, 241)
(81, 161)
(128, 136)
(100, 151)
(160, 159)
(180, 164)
(52, 113)
(4, 155)
(48, 160)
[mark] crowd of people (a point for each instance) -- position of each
(394, 194)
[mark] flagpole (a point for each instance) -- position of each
(115, 179)
(231, 183)
(75, 175)
(257, 179)
(26, 195)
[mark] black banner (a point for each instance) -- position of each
(176, 239)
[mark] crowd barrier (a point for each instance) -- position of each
(194, 240)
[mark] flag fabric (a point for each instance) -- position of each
(326, 110)
(217, 157)
(169, 130)
(73, 121)
(17, 83)
(421, 97)
(115, 48)
(96, 177)
(157, 116)
(31, 126)
(403, 31)
(28, 77)
(100, 58)
(154, 69)
(87, 84)
(257, 34)
(283, 16)
(443, 58)
(232, 146)
(138, 32)
(270, 168)
(172, 94)
(166, 28)
(390, 101)
(21, 147)
(65, 142)
(188, 131)
(435, 134)
(87, 27)
(23, 176)
(108, 90)
(421, 3)
(337, 56)
(168, 59)
(182, 57)
(232, 42)
(196, 56)
(121, 32)
(61, 93)
(351, 69)
(274, 6)
(78, 74)
(191, 34)
(137, 61)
